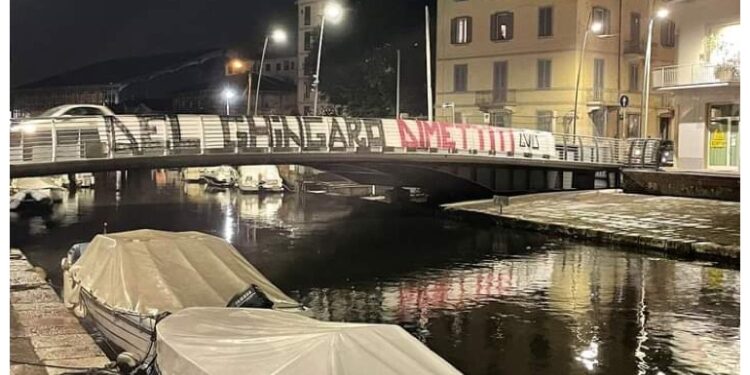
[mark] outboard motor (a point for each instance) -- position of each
(251, 297)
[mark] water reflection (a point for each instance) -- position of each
(488, 300)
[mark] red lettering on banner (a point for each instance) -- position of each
(429, 129)
(512, 141)
(492, 140)
(445, 135)
(463, 133)
(407, 137)
(501, 134)
(480, 131)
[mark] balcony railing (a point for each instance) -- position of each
(634, 47)
(676, 76)
(495, 98)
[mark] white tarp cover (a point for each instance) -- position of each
(149, 271)
(198, 341)
(34, 183)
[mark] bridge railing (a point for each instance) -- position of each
(44, 140)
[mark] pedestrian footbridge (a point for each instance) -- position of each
(448, 159)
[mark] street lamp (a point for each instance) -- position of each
(228, 94)
(277, 36)
(332, 12)
(661, 13)
(452, 106)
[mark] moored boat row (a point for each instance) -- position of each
(189, 303)
(248, 179)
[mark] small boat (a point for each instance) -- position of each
(260, 178)
(222, 176)
(205, 340)
(191, 174)
(124, 282)
(34, 193)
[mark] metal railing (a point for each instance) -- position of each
(695, 74)
(486, 98)
(634, 47)
(112, 137)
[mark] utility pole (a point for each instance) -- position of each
(429, 61)
(398, 82)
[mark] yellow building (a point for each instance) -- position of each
(515, 63)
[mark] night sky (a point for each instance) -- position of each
(53, 36)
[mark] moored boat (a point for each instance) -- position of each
(260, 178)
(34, 193)
(222, 176)
(124, 282)
(191, 174)
(198, 341)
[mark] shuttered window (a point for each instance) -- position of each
(544, 73)
(601, 15)
(633, 86)
(545, 21)
(460, 77)
(461, 30)
(501, 26)
(544, 120)
(667, 33)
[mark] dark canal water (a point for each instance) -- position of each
(489, 300)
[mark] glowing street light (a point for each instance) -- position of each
(661, 13)
(332, 12)
(237, 64)
(277, 36)
(597, 27)
(228, 94)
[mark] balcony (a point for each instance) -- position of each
(489, 99)
(634, 47)
(695, 75)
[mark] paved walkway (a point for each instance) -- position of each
(42, 330)
(686, 226)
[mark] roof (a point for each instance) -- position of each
(121, 71)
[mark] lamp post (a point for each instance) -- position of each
(661, 13)
(597, 28)
(228, 94)
(278, 36)
(452, 106)
(332, 12)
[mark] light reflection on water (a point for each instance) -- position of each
(489, 300)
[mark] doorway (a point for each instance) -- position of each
(723, 136)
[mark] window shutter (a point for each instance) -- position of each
(468, 29)
(453, 31)
(510, 26)
(493, 27)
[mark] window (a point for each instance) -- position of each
(461, 30)
(501, 119)
(307, 15)
(667, 33)
(307, 90)
(286, 64)
(501, 26)
(544, 74)
(635, 26)
(633, 86)
(308, 37)
(460, 76)
(601, 15)
(598, 89)
(633, 123)
(268, 67)
(278, 67)
(291, 65)
(545, 21)
(544, 120)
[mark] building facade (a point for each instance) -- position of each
(704, 84)
(516, 63)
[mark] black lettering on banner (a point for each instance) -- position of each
(286, 137)
(225, 132)
(174, 128)
(256, 130)
(374, 140)
(114, 124)
(337, 135)
(353, 128)
(146, 129)
(317, 140)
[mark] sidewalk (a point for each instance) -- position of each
(707, 229)
(42, 330)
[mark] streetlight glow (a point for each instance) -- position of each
(278, 36)
(662, 13)
(237, 64)
(228, 94)
(333, 12)
(597, 27)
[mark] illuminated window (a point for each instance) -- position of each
(461, 30)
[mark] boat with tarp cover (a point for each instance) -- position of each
(202, 341)
(124, 282)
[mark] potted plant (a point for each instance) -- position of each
(724, 57)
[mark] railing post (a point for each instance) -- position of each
(643, 153)
(54, 141)
(580, 148)
(565, 147)
(596, 148)
(203, 136)
(166, 142)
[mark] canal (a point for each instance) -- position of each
(487, 299)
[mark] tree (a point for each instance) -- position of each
(358, 68)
